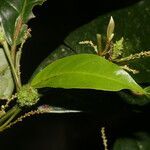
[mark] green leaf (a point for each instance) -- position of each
(15, 13)
(6, 79)
(147, 89)
(85, 71)
(138, 141)
(131, 23)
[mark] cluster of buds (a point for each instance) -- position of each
(114, 50)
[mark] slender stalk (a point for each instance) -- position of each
(18, 58)
(29, 114)
(7, 52)
(2, 113)
(16, 110)
(106, 50)
(7, 115)
(99, 44)
(16, 34)
(19, 53)
(134, 56)
(104, 138)
(6, 105)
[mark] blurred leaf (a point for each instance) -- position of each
(6, 79)
(134, 99)
(138, 141)
(85, 71)
(15, 13)
(147, 89)
(52, 109)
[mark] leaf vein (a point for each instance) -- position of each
(100, 76)
(14, 7)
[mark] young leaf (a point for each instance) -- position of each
(14, 14)
(6, 79)
(85, 71)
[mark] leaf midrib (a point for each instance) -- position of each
(76, 72)
(12, 6)
(23, 8)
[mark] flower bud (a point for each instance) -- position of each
(110, 29)
(27, 96)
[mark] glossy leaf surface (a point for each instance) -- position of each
(15, 13)
(85, 71)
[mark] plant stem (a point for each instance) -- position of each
(16, 34)
(18, 58)
(16, 78)
(99, 44)
(7, 115)
(29, 114)
(19, 53)
(108, 44)
(11, 115)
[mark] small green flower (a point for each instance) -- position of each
(117, 48)
(27, 96)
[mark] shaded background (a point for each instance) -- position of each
(54, 21)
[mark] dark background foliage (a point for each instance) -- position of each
(54, 21)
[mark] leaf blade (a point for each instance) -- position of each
(85, 71)
(11, 11)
